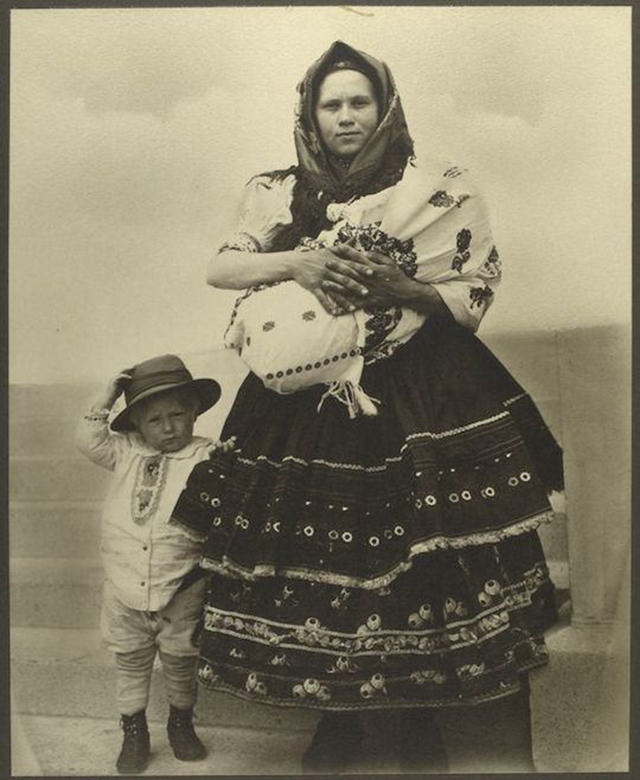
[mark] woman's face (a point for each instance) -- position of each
(346, 112)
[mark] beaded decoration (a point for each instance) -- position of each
(316, 365)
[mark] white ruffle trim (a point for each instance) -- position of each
(229, 568)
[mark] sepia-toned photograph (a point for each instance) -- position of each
(319, 390)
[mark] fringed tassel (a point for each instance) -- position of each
(353, 396)
(365, 403)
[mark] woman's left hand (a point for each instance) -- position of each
(387, 285)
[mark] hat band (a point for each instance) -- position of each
(157, 379)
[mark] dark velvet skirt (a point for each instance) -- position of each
(387, 561)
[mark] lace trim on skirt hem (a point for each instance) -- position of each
(231, 568)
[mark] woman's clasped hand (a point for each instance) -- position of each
(345, 279)
(379, 281)
(335, 277)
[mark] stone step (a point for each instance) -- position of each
(56, 479)
(68, 672)
(54, 529)
(38, 402)
(55, 592)
(29, 436)
(67, 592)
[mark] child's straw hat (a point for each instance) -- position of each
(157, 375)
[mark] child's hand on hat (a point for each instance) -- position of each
(224, 447)
(114, 389)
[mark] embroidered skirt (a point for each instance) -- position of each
(385, 561)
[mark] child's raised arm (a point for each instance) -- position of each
(93, 437)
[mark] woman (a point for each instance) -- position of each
(385, 562)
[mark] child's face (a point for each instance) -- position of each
(166, 422)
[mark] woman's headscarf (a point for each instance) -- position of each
(391, 135)
(379, 164)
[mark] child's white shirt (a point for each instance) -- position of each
(145, 555)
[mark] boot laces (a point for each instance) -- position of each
(181, 719)
(132, 726)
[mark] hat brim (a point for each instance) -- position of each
(207, 390)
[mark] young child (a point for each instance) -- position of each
(153, 586)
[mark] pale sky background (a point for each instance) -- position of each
(133, 131)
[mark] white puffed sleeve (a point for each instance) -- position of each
(264, 209)
(101, 445)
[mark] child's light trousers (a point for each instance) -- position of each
(136, 636)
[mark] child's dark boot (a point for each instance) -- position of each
(182, 737)
(134, 755)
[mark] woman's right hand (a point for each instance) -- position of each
(315, 266)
